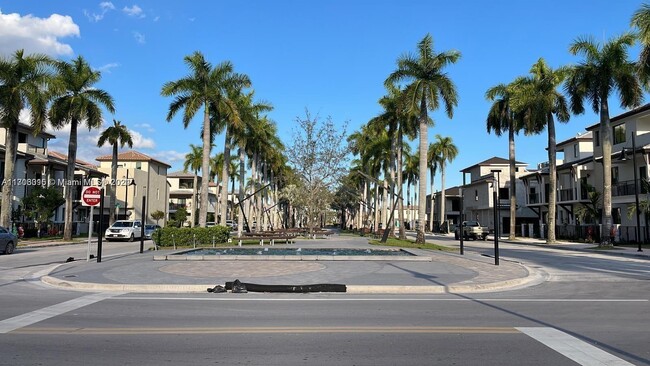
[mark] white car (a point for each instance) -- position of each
(124, 230)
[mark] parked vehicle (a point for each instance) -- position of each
(473, 230)
(231, 225)
(149, 229)
(210, 224)
(8, 240)
(124, 230)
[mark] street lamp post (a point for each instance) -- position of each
(126, 194)
(497, 219)
(636, 191)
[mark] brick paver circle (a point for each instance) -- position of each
(241, 268)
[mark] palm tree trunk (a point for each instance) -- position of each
(10, 169)
(391, 167)
(69, 176)
(443, 198)
(225, 177)
(424, 138)
(375, 211)
(513, 182)
(432, 201)
(400, 212)
(605, 132)
(112, 188)
(552, 180)
(205, 168)
(386, 203)
(242, 176)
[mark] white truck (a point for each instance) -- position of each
(473, 230)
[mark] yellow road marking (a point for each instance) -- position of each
(268, 330)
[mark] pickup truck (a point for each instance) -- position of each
(472, 229)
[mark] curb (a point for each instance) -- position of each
(534, 277)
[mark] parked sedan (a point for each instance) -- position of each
(149, 229)
(8, 240)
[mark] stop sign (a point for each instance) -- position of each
(90, 196)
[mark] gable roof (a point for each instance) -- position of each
(643, 108)
(132, 155)
(494, 161)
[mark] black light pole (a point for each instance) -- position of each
(100, 229)
(497, 231)
(462, 217)
(144, 219)
(636, 195)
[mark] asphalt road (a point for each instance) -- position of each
(593, 309)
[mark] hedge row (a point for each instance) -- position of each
(185, 236)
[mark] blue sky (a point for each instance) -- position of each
(330, 57)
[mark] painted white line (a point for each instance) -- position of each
(36, 316)
(572, 348)
(363, 299)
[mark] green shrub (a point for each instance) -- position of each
(185, 236)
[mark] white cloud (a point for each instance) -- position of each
(141, 142)
(139, 37)
(169, 156)
(156, 19)
(104, 7)
(107, 68)
(134, 11)
(191, 19)
(87, 148)
(36, 35)
(146, 126)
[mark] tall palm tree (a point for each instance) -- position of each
(446, 151)
(76, 100)
(538, 99)
(427, 84)
(203, 88)
(23, 82)
(502, 118)
(604, 70)
(194, 162)
(115, 135)
(641, 21)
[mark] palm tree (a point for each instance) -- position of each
(502, 118)
(117, 134)
(641, 21)
(537, 98)
(603, 71)
(428, 83)
(23, 80)
(203, 88)
(193, 162)
(446, 151)
(76, 100)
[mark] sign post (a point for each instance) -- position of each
(90, 196)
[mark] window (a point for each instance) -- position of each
(158, 194)
(475, 195)
(138, 165)
(596, 138)
(504, 193)
(619, 134)
(22, 138)
(575, 150)
(615, 175)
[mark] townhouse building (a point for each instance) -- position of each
(138, 176)
(183, 195)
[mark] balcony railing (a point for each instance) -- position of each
(177, 206)
(565, 195)
(624, 188)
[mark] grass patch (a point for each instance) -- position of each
(394, 242)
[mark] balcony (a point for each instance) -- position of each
(624, 188)
(565, 195)
(534, 198)
(177, 206)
